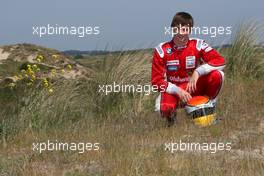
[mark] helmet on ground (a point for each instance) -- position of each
(202, 110)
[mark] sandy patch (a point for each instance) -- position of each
(3, 55)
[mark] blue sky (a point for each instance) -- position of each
(123, 23)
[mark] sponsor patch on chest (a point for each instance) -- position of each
(173, 62)
(172, 65)
(190, 62)
(172, 68)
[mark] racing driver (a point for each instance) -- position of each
(184, 67)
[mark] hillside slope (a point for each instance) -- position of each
(14, 58)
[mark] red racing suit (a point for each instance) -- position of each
(172, 68)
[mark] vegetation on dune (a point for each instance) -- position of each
(244, 59)
(130, 134)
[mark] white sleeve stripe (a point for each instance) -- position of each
(172, 88)
(206, 68)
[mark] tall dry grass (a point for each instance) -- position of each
(243, 60)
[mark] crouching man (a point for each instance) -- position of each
(184, 67)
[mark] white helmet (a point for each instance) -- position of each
(202, 110)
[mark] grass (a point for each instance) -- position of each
(244, 58)
(134, 145)
(130, 134)
(9, 68)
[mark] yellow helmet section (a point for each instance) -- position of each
(205, 120)
(202, 111)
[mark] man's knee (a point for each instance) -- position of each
(216, 77)
(217, 74)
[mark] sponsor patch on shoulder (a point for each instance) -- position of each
(208, 49)
(199, 44)
(160, 50)
(204, 45)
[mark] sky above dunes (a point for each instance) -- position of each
(121, 24)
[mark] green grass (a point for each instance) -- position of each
(245, 57)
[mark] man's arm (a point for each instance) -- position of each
(158, 70)
(211, 58)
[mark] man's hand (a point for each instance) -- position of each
(191, 86)
(184, 95)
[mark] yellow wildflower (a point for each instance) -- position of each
(50, 90)
(69, 66)
(55, 56)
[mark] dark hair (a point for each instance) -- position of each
(182, 18)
